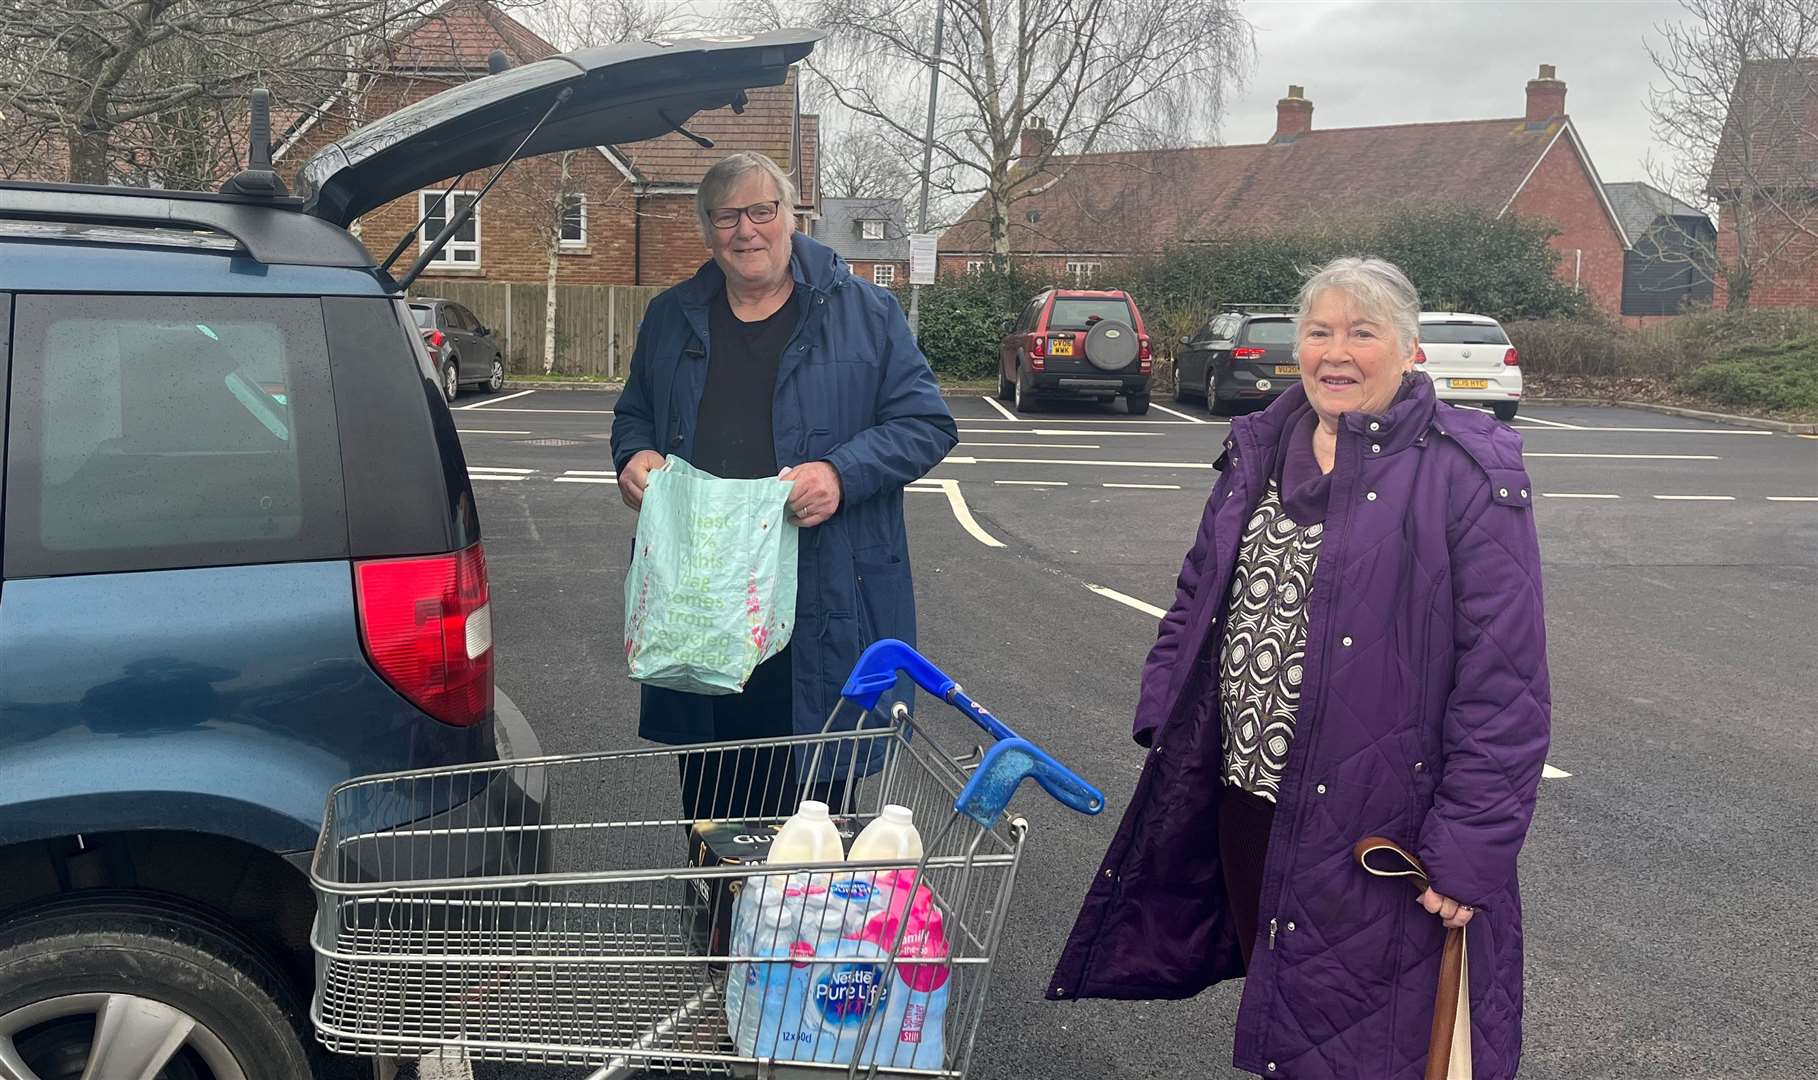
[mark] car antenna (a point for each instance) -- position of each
(258, 180)
(465, 214)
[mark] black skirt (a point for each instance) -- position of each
(1244, 821)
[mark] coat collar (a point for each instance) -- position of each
(1402, 424)
(817, 269)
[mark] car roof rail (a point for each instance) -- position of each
(1262, 309)
(273, 230)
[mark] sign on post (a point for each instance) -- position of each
(921, 258)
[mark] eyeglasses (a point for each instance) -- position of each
(727, 217)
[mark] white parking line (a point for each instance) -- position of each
(585, 480)
(1574, 495)
(493, 401)
(589, 472)
(493, 476)
(1550, 423)
(1548, 772)
(996, 404)
(1070, 420)
(548, 412)
(1696, 498)
(1182, 415)
(1145, 487)
(1127, 600)
(1671, 431)
(1039, 445)
(1792, 498)
(1031, 483)
(497, 469)
(961, 512)
(1630, 457)
(1078, 461)
(1060, 433)
(487, 431)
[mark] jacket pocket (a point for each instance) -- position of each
(882, 586)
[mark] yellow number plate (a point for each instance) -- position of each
(1063, 347)
(1286, 369)
(1470, 384)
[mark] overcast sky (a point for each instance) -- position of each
(1367, 62)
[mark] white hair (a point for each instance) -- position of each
(1379, 289)
(726, 174)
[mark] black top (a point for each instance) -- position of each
(734, 438)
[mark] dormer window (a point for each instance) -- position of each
(871, 230)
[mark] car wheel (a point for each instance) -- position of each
(130, 988)
(1505, 410)
(1005, 391)
(1213, 405)
(496, 381)
(1024, 397)
(1138, 403)
(451, 380)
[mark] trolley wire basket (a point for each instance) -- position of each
(503, 911)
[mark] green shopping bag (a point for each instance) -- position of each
(711, 589)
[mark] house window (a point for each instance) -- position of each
(463, 248)
(1083, 271)
(884, 274)
(574, 220)
(976, 266)
(871, 230)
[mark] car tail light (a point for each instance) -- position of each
(435, 339)
(1038, 349)
(1143, 354)
(1420, 355)
(426, 623)
(1247, 354)
(1511, 358)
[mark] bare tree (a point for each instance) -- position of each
(153, 91)
(863, 164)
(1077, 76)
(1738, 78)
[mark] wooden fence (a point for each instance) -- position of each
(596, 325)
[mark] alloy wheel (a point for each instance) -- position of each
(117, 1036)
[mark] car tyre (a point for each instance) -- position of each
(1138, 404)
(69, 967)
(1505, 410)
(451, 379)
(1213, 405)
(495, 382)
(1024, 399)
(1005, 391)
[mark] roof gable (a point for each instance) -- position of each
(461, 34)
(840, 229)
(1770, 133)
(1639, 206)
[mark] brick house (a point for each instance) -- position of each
(870, 234)
(1766, 165)
(1118, 205)
(627, 212)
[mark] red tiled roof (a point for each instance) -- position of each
(1770, 136)
(461, 34)
(1143, 201)
(766, 126)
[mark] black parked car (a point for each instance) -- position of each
(466, 351)
(1245, 353)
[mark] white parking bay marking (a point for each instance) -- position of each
(1792, 498)
(1038, 445)
(1145, 487)
(1575, 495)
(1060, 433)
(1550, 423)
(1031, 483)
(996, 404)
(493, 401)
(487, 431)
(961, 512)
(1629, 457)
(1080, 461)
(1182, 415)
(1671, 431)
(585, 480)
(1696, 498)
(1548, 772)
(1127, 600)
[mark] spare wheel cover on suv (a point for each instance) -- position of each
(1111, 345)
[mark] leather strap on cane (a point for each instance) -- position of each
(1385, 858)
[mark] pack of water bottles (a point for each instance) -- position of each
(820, 984)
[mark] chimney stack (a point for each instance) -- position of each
(1293, 115)
(1546, 97)
(1036, 139)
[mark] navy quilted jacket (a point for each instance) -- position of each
(1424, 717)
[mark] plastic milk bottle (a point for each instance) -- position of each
(769, 921)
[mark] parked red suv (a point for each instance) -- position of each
(1076, 343)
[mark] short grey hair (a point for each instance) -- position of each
(1377, 286)
(725, 176)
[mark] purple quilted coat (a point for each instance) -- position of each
(1424, 717)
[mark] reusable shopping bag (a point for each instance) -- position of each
(711, 589)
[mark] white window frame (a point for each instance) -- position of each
(977, 266)
(1083, 271)
(578, 199)
(446, 257)
(871, 229)
(884, 274)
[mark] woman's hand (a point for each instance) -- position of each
(635, 476)
(1451, 913)
(816, 494)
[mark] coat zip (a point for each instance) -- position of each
(1271, 935)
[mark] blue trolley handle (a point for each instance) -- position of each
(1010, 761)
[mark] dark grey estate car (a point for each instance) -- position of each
(1244, 353)
(466, 351)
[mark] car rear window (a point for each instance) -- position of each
(1270, 332)
(425, 315)
(160, 432)
(1081, 312)
(1462, 333)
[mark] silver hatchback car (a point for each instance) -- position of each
(1470, 360)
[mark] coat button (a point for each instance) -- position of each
(1375, 448)
(1290, 924)
(1371, 496)
(1107, 873)
(1524, 493)
(1502, 492)
(1346, 642)
(1271, 1066)
(1420, 766)
(1374, 426)
(1321, 789)
(677, 441)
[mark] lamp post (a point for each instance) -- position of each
(934, 92)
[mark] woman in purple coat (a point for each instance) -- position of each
(1356, 648)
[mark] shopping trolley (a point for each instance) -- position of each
(491, 911)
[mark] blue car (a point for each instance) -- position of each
(240, 563)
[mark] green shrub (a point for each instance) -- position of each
(1593, 345)
(1779, 376)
